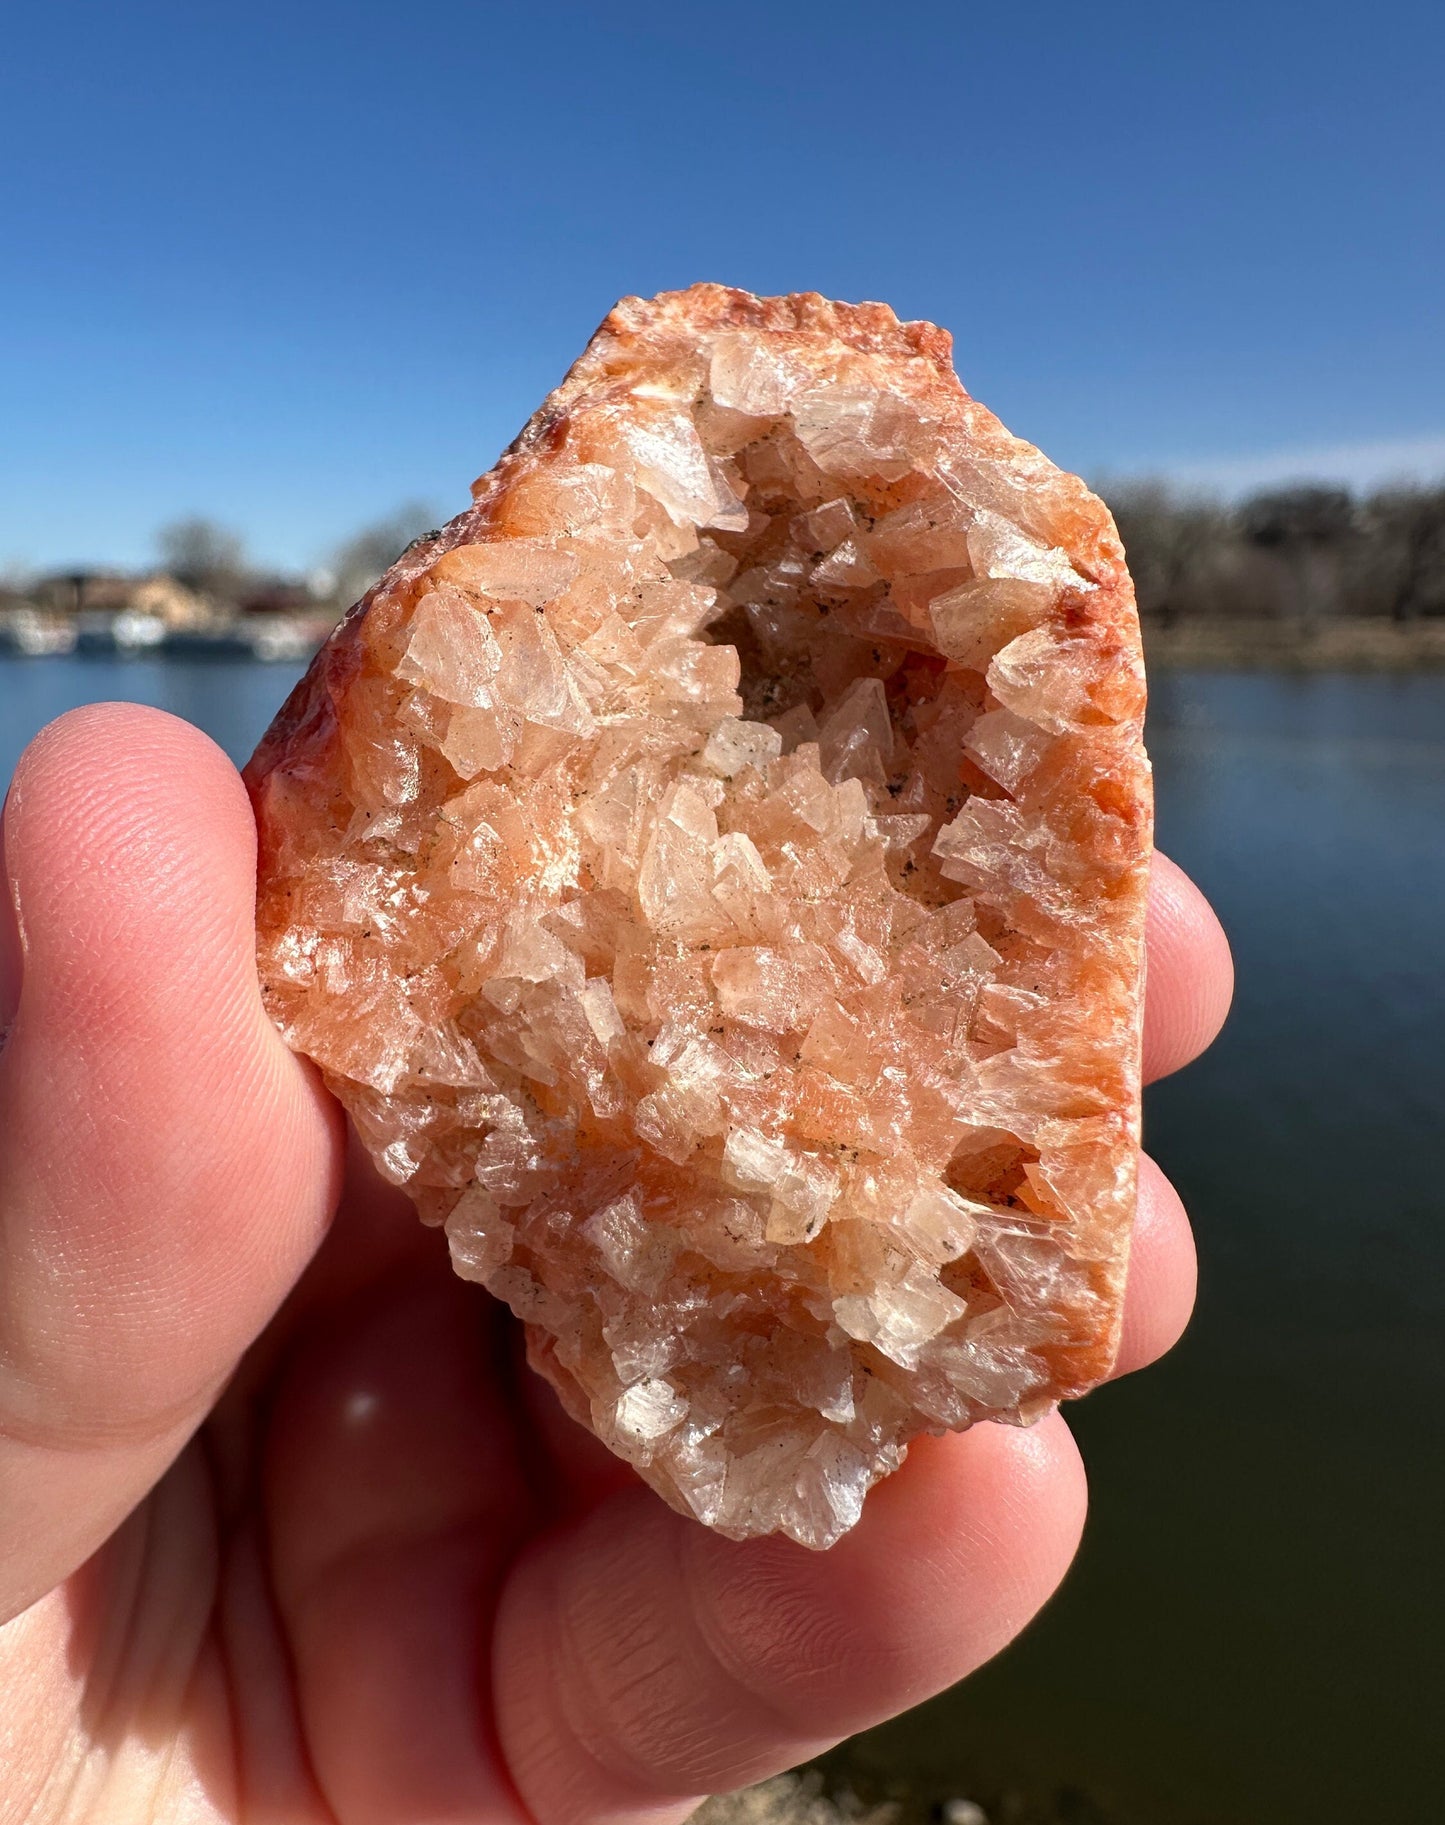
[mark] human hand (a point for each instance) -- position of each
(287, 1530)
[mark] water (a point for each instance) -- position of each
(232, 700)
(1250, 1634)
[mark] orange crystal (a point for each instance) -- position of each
(711, 873)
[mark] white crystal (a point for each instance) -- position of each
(650, 1410)
(748, 377)
(512, 570)
(674, 468)
(452, 651)
(734, 745)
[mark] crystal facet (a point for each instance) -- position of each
(711, 873)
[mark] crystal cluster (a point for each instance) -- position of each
(711, 874)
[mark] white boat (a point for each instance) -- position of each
(283, 641)
(37, 635)
(134, 631)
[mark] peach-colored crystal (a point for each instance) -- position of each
(711, 873)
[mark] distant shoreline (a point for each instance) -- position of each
(131, 634)
(1335, 644)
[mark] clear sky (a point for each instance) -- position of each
(290, 264)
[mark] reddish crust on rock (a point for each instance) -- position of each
(711, 872)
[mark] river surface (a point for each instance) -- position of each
(1251, 1634)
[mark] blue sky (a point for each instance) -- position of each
(289, 265)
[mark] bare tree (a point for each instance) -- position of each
(1312, 529)
(203, 555)
(1170, 543)
(1406, 528)
(1307, 515)
(1309, 551)
(362, 559)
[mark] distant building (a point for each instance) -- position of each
(99, 593)
(77, 592)
(274, 596)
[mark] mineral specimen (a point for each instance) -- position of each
(711, 873)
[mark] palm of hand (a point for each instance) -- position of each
(386, 1580)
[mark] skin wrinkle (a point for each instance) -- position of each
(253, 1079)
(661, 1680)
(69, 1286)
(233, 1708)
(740, 1658)
(208, 1679)
(142, 833)
(398, 1523)
(64, 1785)
(73, 1437)
(601, 1751)
(953, 1557)
(163, 1649)
(85, 991)
(136, 1287)
(104, 1675)
(35, 1749)
(169, 1764)
(174, 1639)
(131, 1283)
(769, 1629)
(732, 1661)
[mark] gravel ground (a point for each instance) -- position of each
(806, 1798)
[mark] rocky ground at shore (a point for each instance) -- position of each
(810, 1797)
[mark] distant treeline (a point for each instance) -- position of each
(1302, 554)
(1293, 553)
(213, 560)
(209, 565)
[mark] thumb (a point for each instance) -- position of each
(166, 1166)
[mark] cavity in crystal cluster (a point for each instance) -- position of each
(711, 874)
